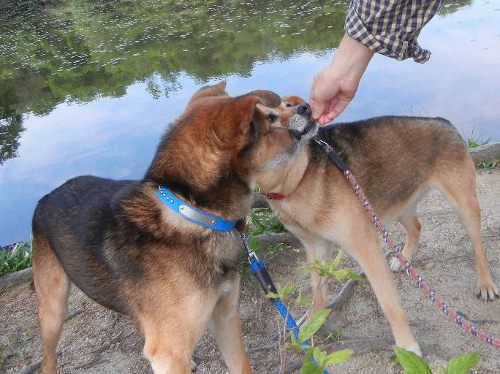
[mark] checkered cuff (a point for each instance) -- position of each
(391, 27)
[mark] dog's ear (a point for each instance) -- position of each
(244, 109)
(290, 101)
(236, 119)
(269, 98)
(218, 89)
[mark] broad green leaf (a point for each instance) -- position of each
(343, 274)
(309, 367)
(319, 356)
(463, 363)
(294, 344)
(338, 357)
(411, 363)
(302, 300)
(272, 295)
(254, 243)
(338, 259)
(316, 321)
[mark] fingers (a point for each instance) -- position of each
(323, 111)
(327, 99)
(327, 115)
(335, 107)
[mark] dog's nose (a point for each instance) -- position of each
(295, 133)
(304, 109)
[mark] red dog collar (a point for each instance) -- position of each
(273, 195)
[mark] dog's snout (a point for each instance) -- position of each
(295, 133)
(304, 109)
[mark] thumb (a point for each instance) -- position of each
(318, 107)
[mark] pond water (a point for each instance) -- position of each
(88, 87)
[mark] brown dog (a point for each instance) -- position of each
(121, 245)
(396, 160)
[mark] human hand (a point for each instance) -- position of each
(334, 87)
(330, 95)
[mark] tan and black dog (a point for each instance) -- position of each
(122, 246)
(396, 160)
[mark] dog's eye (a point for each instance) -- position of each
(272, 117)
(288, 105)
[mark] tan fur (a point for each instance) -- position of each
(52, 287)
(122, 246)
(396, 160)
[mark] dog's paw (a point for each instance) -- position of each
(415, 348)
(487, 290)
(395, 265)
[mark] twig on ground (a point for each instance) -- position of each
(358, 345)
(32, 368)
(271, 239)
(345, 292)
(73, 314)
(263, 347)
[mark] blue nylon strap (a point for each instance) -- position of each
(193, 214)
(257, 267)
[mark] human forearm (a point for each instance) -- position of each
(335, 87)
(350, 59)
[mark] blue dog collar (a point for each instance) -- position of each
(192, 214)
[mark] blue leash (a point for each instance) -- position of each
(260, 271)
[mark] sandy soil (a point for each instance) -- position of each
(96, 340)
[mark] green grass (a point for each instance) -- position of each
(262, 220)
(18, 259)
(474, 142)
(487, 164)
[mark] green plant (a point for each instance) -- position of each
(491, 164)
(332, 269)
(413, 364)
(262, 220)
(17, 259)
(283, 292)
(316, 360)
(474, 142)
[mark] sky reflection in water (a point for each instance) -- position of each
(116, 137)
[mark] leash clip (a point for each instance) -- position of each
(251, 255)
(326, 147)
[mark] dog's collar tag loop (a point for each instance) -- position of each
(192, 214)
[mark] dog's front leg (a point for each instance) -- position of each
(363, 246)
(225, 325)
(168, 353)
(172, 328)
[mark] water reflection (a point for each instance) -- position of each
(80, 50)
(95, 83)
(11, 126)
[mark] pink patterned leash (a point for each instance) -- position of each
(448, 311)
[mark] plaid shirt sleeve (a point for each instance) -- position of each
(391, 27)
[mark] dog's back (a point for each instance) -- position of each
(395, 156)
(74, 221)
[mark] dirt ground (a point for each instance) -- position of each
(96, 340)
